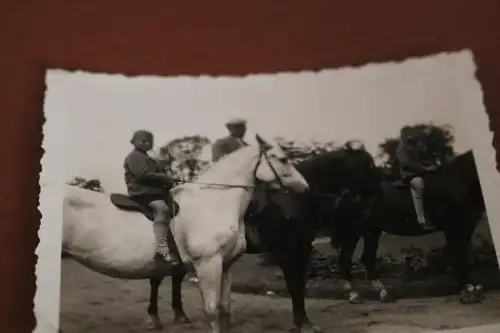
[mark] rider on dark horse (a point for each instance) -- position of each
(412, 161)
(149, 187)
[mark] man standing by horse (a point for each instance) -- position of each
(237, 128)
(413, 163)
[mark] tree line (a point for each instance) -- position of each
(186, 157)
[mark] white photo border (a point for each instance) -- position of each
(475, 121)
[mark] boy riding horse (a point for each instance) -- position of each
(412, 162)
(149, 187)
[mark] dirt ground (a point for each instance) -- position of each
(94, 303)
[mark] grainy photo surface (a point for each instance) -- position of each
(345, 200)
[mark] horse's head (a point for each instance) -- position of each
(459, 179)
(362, 177)
(276, 169)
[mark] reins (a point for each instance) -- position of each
(249, 187)
(283, 187)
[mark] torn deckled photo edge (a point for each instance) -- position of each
(106, 94)
(48, 268)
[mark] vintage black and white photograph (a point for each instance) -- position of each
(346, 200)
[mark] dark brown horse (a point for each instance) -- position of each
(453, 203)
(287, 225)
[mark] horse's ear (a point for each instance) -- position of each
(259, 139)
(262, 143)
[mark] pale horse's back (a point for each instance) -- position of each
(93, 226)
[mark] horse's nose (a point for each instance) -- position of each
(305, 187)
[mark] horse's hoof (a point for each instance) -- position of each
(316, 329)
(387, 297)
(481, 297)
(470, 296)
(306, 329)
(182, 319)
(479, 291)
(354, 297)
(154, 324)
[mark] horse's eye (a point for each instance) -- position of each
(283, 159)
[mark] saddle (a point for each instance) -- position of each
(124, 202)
(399, 198)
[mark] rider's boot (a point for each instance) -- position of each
(418, 202)
(161, 228)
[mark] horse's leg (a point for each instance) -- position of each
(293, 259)
(371, 239)
(457, 242)
(348, 246)
(225, 302)
(209, 273)
(154, 322)
(178, 274)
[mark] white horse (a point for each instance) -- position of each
(208, 229)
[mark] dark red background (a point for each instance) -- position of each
(205, 37)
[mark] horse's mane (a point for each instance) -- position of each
(460, 179)
(79, 196)
(329, 171)
(78, 189)
(319, 162)
(329, 160)
(217, 172)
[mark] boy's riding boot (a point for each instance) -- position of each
(418, 203)
(161, 228)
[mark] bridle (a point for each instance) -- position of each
(278, 179)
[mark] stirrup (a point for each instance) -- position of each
(166, 257)
(426, 226)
